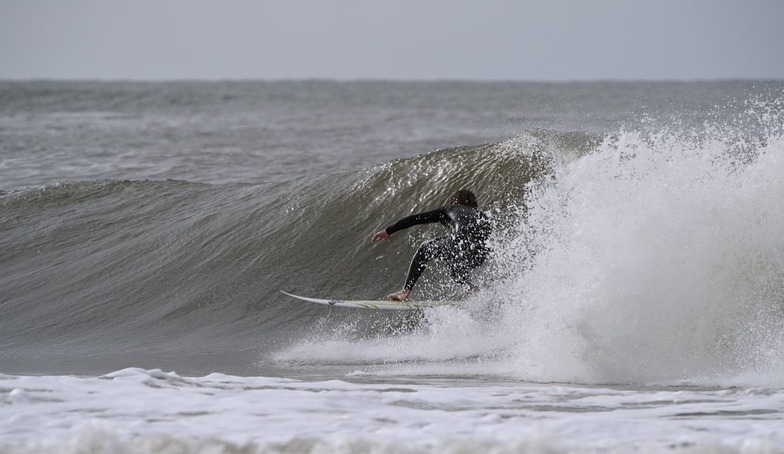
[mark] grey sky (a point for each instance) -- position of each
(400, 39)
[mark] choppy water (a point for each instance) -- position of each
(635, 299)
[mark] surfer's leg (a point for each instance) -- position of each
(460, 266)
(429, 250)
(418, 265)
(426, 252)
(461, 274)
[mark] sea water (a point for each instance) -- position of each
(634, 301)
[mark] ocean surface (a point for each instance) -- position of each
(634, 301)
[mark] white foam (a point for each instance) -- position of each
(154, 412)
(656, 261)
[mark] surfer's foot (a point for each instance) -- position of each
(400, 296)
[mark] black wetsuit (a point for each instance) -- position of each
(463, 250)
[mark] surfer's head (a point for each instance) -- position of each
(464, 197)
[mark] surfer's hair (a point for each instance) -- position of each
(464, 197)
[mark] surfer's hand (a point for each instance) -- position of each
(382, 235)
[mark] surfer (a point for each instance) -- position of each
(462, 251)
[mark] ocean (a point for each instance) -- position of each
(633, 302)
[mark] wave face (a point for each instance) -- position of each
(650, 254)
(171, 268)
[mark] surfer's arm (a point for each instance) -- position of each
(427, 217)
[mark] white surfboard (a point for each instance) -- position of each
(376, 304)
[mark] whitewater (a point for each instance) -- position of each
(634, 301)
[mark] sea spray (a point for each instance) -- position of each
(658, 258)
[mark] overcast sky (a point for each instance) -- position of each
(392, 39)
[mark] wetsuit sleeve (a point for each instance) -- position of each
(426, 217)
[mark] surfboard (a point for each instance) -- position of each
(376, 304)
